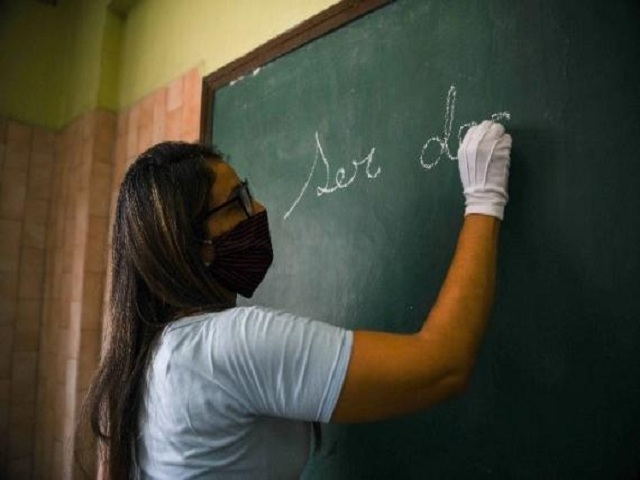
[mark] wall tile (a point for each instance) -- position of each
(90, 343)
(191, 136)
(145, 137)
(41, 159)
(100, 189)
(39, 183)
(77, 274)
(122, 123)
(27, 327)
(18, 137)
(21, 415)
(159, 116)
(20, 468)
(3, 149)
(34, 235)
(87, 124)
(5, 390)
(57, 274)
(105, 132)
(31, 259)
(30, 283)
(65, 295)
(61, 361)
(3, 130)
(57, 459)
(192, 87)
(92, 301)
(87, 159)
(120, 163)
(16, 164)
(31, 276)
(145, 124)
(174, 94)
(132, 131)
(70, 391)
(10, 236)
(96, 252)
(173, 126)
(8, 297)
(146, 111)
(190, 118)
(8, 309)
(112, 213)
(81, 217)
(21, 444)
(23, 383)
(36, 211)
(4, 435)
(43, 141)
(6, 351)
(12, 200)
(73, 347)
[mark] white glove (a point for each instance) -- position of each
(484, 159)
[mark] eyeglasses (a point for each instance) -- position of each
(243, 197)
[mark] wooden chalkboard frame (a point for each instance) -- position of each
(324, 22)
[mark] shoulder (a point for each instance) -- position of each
(249, 330)
(252, 318)
(232, 327)
(229, 318)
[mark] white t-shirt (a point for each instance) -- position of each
(230, 395)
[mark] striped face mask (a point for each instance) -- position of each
(243, 255)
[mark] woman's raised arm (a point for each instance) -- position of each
(394, 374)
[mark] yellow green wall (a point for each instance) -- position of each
(33, 37)
(91, 58)
(164, 38)
(59, 62)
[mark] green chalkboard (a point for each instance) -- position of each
(350, 141)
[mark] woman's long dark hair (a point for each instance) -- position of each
(157, 273)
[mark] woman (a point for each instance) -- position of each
(192, 386)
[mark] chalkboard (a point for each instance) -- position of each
(351, 141)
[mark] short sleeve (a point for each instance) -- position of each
(281, 365)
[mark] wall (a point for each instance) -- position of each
(31, 91)
(92, 59)
(105, 88)
(163, 38)
(26, 163)
(57, 63)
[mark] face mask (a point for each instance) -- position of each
(243, 255)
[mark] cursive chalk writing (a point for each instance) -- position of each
(430, 157)
(434, 149)
(340, 181)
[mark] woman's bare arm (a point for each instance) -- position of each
(393, 374)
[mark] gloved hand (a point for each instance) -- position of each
(483, 160)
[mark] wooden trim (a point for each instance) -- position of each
(324, 22)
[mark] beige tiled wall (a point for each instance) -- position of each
(27, 163)
(57, 191)
(74, 279)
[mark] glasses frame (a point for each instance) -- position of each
(243, 197)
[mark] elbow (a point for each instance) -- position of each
(459, 385)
